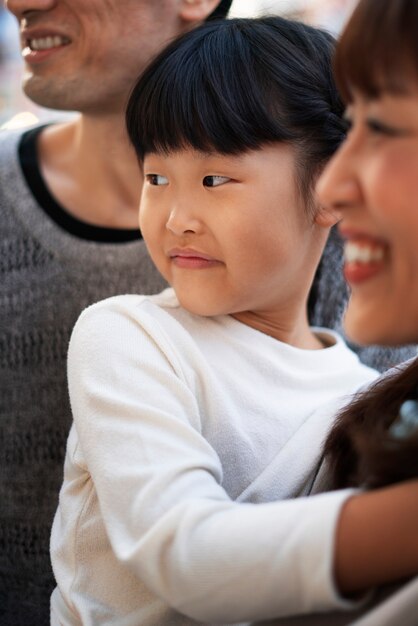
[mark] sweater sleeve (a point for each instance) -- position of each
(159, 486)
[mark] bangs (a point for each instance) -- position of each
(206, 94)
(378, 50)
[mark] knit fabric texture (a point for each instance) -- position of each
(47, 277)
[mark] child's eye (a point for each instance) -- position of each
(157, 179)
(215, 181)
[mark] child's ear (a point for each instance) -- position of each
(327, 217)
(196, 10)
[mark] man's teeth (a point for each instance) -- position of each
(44, 43)
(362, 253)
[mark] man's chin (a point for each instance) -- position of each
(43, 93)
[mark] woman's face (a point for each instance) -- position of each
(372, 183)
(231, 234)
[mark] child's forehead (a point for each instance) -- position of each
(189, 153)
(199, 155)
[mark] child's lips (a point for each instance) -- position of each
(188, 258)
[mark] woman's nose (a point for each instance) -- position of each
(338, 186)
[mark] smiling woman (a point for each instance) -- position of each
(372, 183)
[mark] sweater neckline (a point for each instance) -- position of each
(83, 254)
(29, 163)
(335, 357)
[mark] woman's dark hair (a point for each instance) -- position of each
(377, 52)
(360, 450)
(221, 10)
(234, 85)
(378, 49)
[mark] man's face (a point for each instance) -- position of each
(85, 54)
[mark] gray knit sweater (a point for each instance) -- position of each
(47, 276)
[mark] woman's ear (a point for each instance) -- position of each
(194, 11)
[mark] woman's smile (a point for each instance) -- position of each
(364, 258)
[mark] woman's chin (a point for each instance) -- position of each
(368, 329)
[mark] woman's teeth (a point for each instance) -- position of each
(363, 253)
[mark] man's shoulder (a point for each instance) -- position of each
(14, 192)
(9, 142)
(12, 183)
(10, 138)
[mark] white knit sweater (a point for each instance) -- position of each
(190, 437)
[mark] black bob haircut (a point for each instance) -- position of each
(234, 85)
(221, 10)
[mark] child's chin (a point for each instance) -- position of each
(199, 306)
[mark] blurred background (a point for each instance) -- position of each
(16, 110)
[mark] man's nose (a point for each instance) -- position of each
(20, 7)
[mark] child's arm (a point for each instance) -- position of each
(159, 484)
(377, 538)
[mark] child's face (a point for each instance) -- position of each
(230, 233)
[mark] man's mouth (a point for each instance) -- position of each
(41, 44)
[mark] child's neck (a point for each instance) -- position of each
(298, 335)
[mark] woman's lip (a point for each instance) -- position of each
(365, 255)
(358, 273)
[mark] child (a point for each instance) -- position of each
(194, 410)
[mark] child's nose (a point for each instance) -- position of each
(183, 220)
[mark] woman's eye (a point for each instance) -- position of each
(380, 128)
(157, 179)
(215, 181)
(348, 123)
